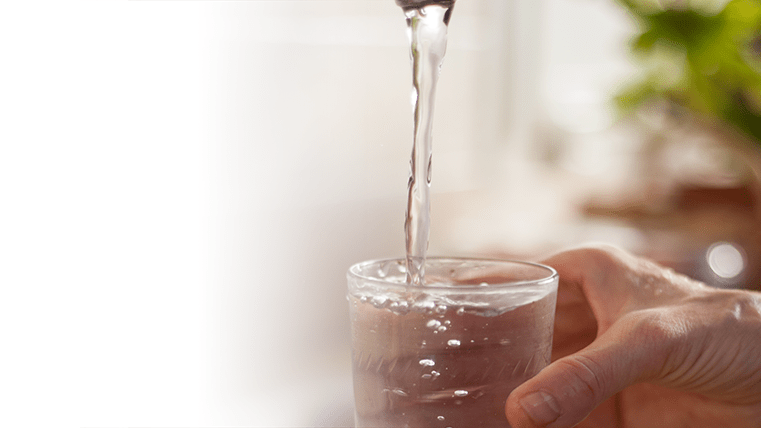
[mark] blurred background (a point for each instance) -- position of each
(186, 183)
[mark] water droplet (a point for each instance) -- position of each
(427, 362)
(453, 342)
(461, 393)
(442, 329)
(441, 418)
(447, 322)
(433, 324)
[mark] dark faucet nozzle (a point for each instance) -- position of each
(416, 4)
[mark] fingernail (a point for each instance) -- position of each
(540, 407)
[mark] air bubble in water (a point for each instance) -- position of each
(433, 324)
(431, 376)
(427, 362)
(399, 391)
(453, 342)
(440, 309)
(484, 284)
(461, 393)
(442, 329)
(441, 418)
(399, 307)
(460, 311)
(425, 306)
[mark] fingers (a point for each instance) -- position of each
(652, 325)
(611, 281)
(575, 328)
(566, 391)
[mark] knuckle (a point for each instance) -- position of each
(603, 257)
(655, 327)
(664, 338)
(585, 378)
(602, 253)
(739, 311)
(747, 306)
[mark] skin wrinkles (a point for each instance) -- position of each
(702, 357)
(587, 377)
(638, 346)
(714, 355)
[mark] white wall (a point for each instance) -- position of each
(104, 192)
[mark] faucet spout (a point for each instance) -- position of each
(417, 4)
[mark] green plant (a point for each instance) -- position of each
(704, 57)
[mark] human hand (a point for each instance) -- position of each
(637, 345)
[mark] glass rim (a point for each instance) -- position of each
(552, 276)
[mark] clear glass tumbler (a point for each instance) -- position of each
(447, 354)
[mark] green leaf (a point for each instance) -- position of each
(700, 59)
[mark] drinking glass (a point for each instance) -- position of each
(449, 352)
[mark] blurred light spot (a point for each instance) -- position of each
(726, 260)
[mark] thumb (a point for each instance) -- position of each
(566, 391)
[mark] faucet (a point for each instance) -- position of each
(417, 4)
